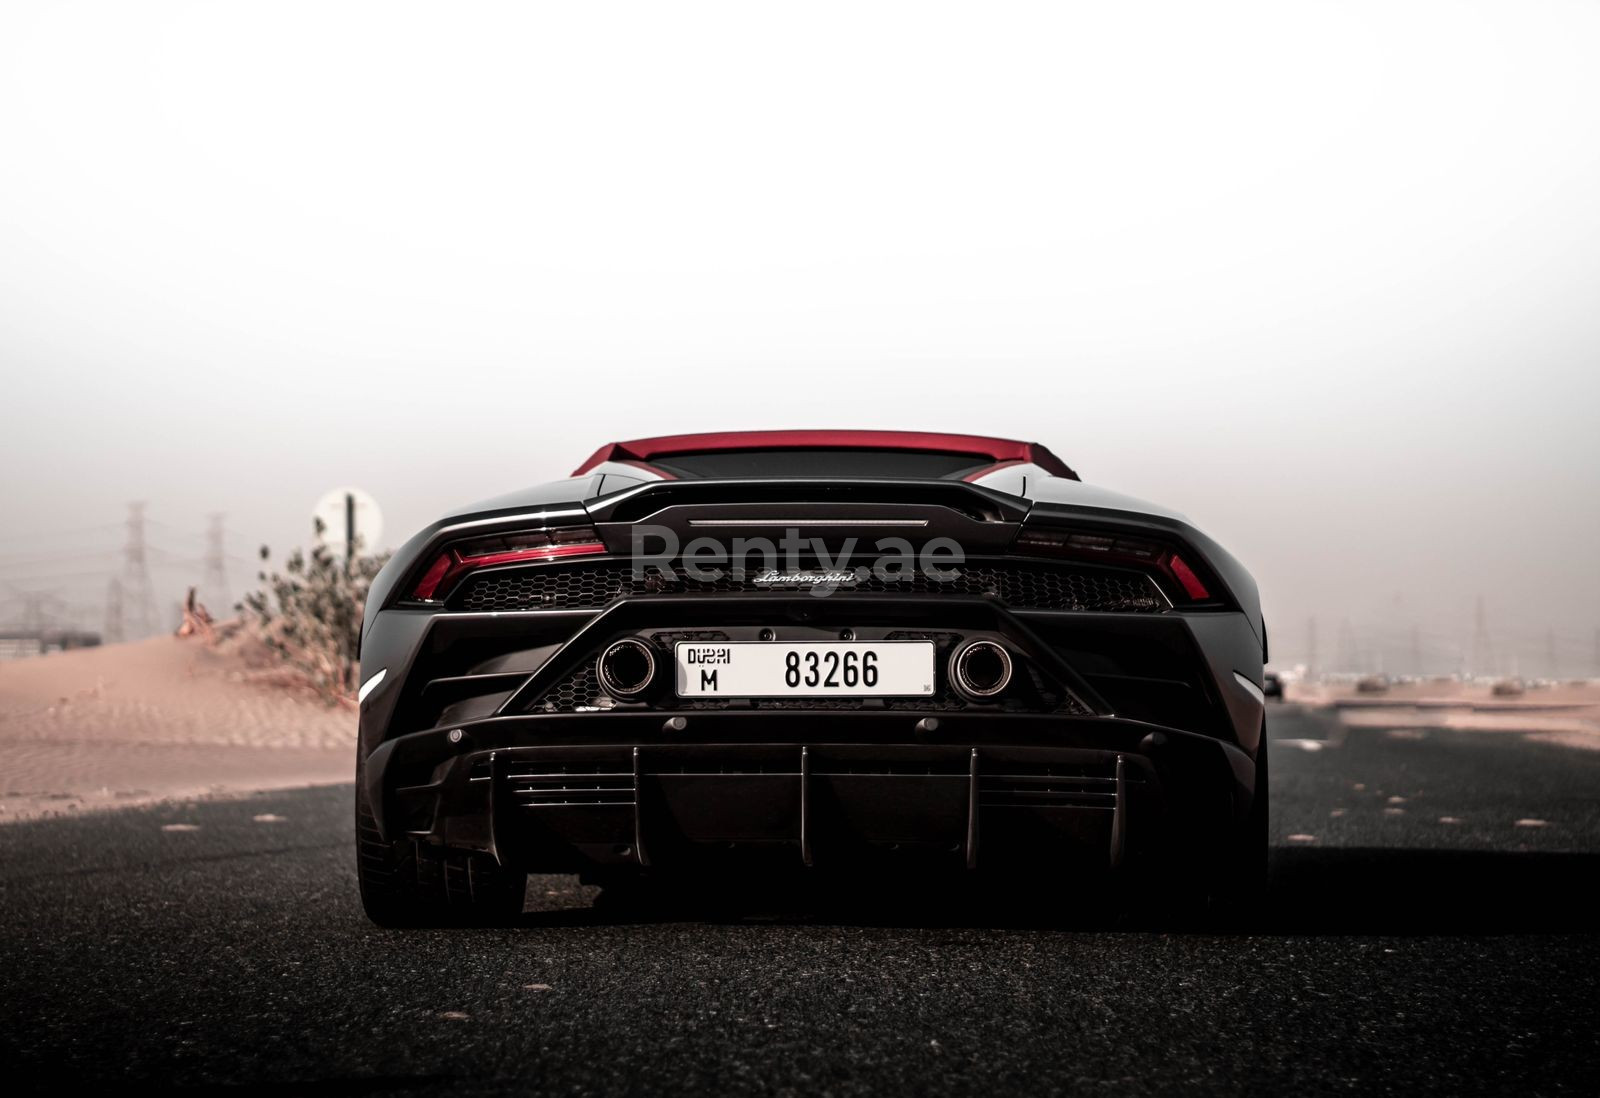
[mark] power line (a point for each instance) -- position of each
(35, 614)
(114, 630)
(1482, 650)
(56, 535)
(22, 560)
(215, 581)
(1345, 653)
(139, 603)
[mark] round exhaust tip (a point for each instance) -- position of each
(981, 669)
(626, 668)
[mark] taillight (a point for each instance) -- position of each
(524, 546)
(1117, 549)
(1192, 585)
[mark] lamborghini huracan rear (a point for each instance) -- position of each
(814, 648)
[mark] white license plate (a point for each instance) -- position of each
(804, 669)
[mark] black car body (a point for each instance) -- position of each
(1080, 690)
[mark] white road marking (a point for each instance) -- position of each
(180, 827)
(1529, 822)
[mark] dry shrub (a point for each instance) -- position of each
(309, 615)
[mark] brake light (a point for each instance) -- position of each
(434, 576)
(1185, 575)
(523, 546)
(1116, 549)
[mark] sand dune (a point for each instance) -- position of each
(163, 718)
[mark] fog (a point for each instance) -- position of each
(1323, 277)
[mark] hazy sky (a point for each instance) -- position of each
(1324, 277)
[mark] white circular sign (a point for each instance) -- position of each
(334, 512)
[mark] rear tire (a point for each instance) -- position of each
(1239, 894)
(408, 884)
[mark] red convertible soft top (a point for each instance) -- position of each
(996, 451)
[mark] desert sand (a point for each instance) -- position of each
(155, 720)
(1565, 714)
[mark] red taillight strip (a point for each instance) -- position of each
(1116, 548)
(429, 583)
(450, 565)
(545, 552)
(1185, 576)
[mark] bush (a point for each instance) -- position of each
(310, 615)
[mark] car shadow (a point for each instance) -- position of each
(1311, 891)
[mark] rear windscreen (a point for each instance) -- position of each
(906, 464)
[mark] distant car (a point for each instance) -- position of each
(1373, 684)
(552, 682)
(1272, 685)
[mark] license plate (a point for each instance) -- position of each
(804, 669)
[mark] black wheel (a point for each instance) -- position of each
(406, 884)
(1239, 892)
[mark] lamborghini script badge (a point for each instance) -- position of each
(774, 578)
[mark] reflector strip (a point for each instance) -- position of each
(1255, 691)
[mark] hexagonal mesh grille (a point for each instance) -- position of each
(1025, 585)
(580, 689)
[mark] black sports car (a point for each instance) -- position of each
(819, 648)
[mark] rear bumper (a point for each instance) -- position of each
(570, 792)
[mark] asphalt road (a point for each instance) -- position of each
(1401, 954)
